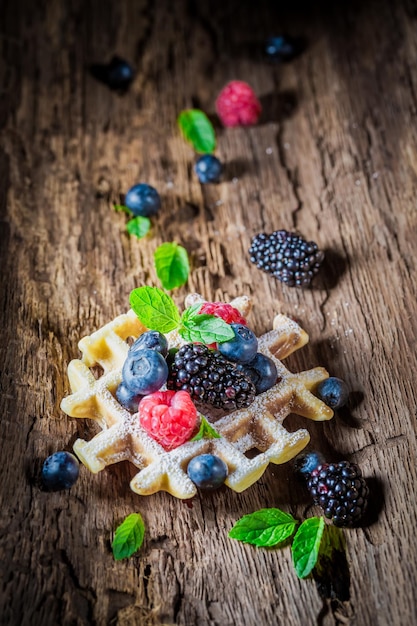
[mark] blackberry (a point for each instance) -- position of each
(210, 378)
(340, 490)
(287, 256)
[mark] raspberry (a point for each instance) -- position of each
(169, 417)
(227, 312)
(237, 104)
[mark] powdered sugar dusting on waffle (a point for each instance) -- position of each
(258, 427)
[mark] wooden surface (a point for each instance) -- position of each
(334, 157)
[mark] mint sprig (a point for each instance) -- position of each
(128, 537)
(121, 208)
(207, 329)
(157, 311)
(197, 130)
(206, 431)
(264, 528)
(315, 546)
(306, 545)
(138, 226)
(172, 265)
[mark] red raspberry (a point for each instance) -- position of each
(237, 104)
(227, 312)
(169, 417)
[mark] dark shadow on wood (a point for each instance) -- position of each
(376, 502)
(278, 106)
(345, 415)
(331, 270)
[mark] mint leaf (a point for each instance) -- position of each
(264, 528)
(197, 130)
(190, 313)
(206, 329)
(172, 265)
(206, 431)
(155, 309)
(128, 536)
(306, 545)
(138, 226)
(121, 208)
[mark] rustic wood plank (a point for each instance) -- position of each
(334, 157)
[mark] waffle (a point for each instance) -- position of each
(250, 438)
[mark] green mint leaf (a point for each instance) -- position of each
(128, 536)
(197, 130)
(138, 226)
(121, 208)
(264, 528)
(155, 309)
(172, 265)
(306, 545)
(191, 312)
(185, 334)
(206, 431)
(206, 329)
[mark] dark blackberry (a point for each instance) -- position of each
(287, 256)
(210, 378)
(340, 490)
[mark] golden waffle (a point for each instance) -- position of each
(256, 430)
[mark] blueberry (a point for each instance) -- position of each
(282, 48)
(145, 372)
(262, 371)
(207, 471)
(117, 74)
(143, 200)
(60, 471)
(243, 347)
(334, 392)
(208, 169)
(127, 398)
(151, 339)
(306, 462)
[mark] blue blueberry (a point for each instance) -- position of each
(117, 74)
(60, 471)
(208, 169)
(262, 371)
(145, 372)
(282, 48)
(306, 462)
(151, 339)
(207, 471)
(243, 347)
(127, 398)
(334, 392)
(143, 200)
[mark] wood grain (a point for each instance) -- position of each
(334, 156)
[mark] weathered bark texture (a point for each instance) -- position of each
(335, 157)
